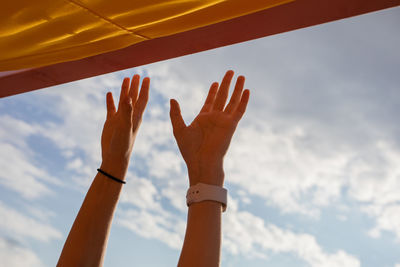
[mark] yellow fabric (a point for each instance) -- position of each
(36, 33)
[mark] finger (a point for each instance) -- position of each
(133, 92)
(124, 92)
(223, 91)
(236, 95)
(241, 108)
(176, 117)
(210, 98)
(141, 102)
(110, 105)
(127, 110)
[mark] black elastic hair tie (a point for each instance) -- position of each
(111, 177)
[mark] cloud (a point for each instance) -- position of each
(80, 116)
(15, 131)
(319, 129)
(21, 226)
(290, 167)
(174, 81)
(19, 174)
(39, 212)
(307, 141)
(278, 168)
(20, 171)
(141, 193)
(14, 255)
(387, 219)
(243, 234)
(247, 235)
(163, 168)
(318, 132)
(375, 176)
(175, 191)
(163, 226)
(78, 111)
(375, 184)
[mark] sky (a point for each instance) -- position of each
(313, 170)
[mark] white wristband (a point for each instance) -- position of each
(201, 192)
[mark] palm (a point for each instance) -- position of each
(121, 126)
(210, 133)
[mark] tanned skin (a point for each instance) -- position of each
(203, 145)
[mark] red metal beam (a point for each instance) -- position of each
(295, 15)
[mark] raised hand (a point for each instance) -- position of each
(87, 241)
(121, 126)
(205, 141)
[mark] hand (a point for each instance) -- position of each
(121, 127)
(205, 141)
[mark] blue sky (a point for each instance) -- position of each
(312, 172)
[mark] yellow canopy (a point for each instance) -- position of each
(36, 33)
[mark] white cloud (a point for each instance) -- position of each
(174, 81)
(20, 174)
(163, 226)
(154, 132)
(375, 183)
(387, 219)
(39, 212)
(22, 226)
(175, 191)
(243, 234)
(81, 114)
(15, 131)
(290, 167)
(376, 179)
(247, 235)
(274, 166)
(314, 144)
(20, 171)
(165, 164)
(13, 255)
(325, 133)
(296, 162)
(80, 110)
(140, 193)
(244, 197)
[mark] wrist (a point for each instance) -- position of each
(208, 173)
(116, 169)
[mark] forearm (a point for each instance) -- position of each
(202, 244)
(87, 240)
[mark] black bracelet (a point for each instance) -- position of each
(110, 176)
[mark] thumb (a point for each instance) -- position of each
(176, 118)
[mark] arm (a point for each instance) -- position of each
(203, 145)
(87, 241)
